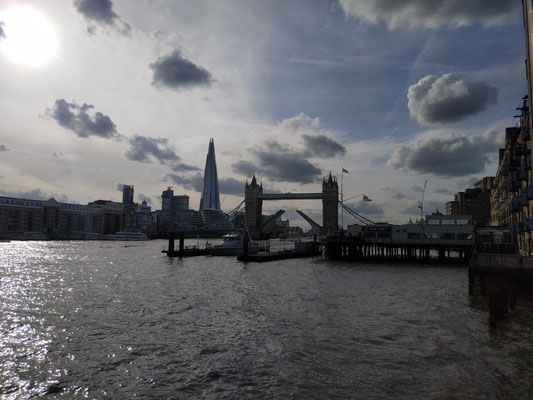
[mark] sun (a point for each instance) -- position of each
(30, 39)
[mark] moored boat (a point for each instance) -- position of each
(127, 236)
(232, 245)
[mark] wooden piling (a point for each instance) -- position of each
(170, 250)
(182, 244)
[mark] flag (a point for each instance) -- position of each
(366, 198)
(345, 171)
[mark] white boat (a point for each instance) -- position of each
(232, 245)
(127, 236)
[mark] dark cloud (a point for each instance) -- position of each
(180, 167)
(142, 198)
(322, 146)
(3, 148)
(287, 167)
(144, 147)
(36, 194)
(231, 186)
(76, 118)
(245, 168)
(446, 157)
(176, 72)
(100, 13)
(435, 100)
(2, 33)
(195, 182)
(432, 14)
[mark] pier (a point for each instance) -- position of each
(358, 249)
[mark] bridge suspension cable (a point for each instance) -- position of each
(356, 215)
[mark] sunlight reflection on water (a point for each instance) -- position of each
(97, 319)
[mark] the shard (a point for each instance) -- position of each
(210, 195)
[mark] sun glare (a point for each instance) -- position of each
(30, 38)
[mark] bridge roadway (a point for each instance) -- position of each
(290, 196)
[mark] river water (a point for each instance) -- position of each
(119, 320)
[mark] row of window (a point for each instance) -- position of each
(420, 235)
(447, 222)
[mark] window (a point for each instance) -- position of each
(462, 222)
(448, 222)
(434, 221)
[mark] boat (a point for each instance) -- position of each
(126, 236)
(232, 245)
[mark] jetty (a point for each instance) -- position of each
(183, 251)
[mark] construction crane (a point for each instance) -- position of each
(421, 202)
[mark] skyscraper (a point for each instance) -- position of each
(210, 195)
(127, 195)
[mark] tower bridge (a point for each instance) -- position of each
(254, 197)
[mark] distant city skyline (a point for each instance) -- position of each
(96, 95)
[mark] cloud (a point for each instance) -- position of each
(35, 194)
(395, 194)
(443, 191)
(76, 118)
(142, 197)
(447, 156)
(322, 146)
(431, 14)
(3, 148)
(195, 182)
(176, 72)
(244, 167)
(370, 210)
(181, 167)
(300, 122)
(100, 13)
(231, 186)
(2, 33)
(436, 100)
(144, 147)
(287, 167)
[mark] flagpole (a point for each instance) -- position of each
(342, 198)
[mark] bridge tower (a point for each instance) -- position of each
(330, 204)
(253, 208)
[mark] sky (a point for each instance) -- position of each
(99, 93)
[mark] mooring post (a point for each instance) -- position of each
(170, 251)
(182, 243)
(245, 245)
